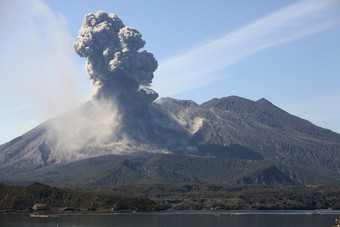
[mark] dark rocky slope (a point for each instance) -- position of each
(264, 143)
(261, 128)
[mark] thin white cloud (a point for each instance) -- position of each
(37, 67)
(37, 59)
(196, 68)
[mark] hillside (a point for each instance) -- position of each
(25, 197)
(228, 140)
(42, 198)
(262, 128)
(168, 168)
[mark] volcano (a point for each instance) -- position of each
(184, 142)
(126, 135)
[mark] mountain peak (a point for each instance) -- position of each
(234, 103)
(231, 127)
(184, 103)
(175, 105)
(264, 101)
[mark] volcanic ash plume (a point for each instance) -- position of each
(114, 65)
(121, 75)
(121, 118)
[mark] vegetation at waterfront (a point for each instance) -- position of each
(151, 197)
(25, 197)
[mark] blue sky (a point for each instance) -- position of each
(285, 51)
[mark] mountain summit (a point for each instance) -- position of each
(256, 136)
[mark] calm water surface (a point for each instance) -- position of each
(185, 219)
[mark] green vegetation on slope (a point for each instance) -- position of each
(25, 197)
(139, 197)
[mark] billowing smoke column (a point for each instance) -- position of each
(121, 74)
(114, 65)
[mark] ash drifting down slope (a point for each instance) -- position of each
(119, 118)
(122, 120)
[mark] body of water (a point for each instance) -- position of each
(185, 219)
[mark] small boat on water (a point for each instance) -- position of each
(336, 221)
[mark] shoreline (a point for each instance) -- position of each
(52, 214)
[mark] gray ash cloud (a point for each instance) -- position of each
(115, 66)
(121, 75)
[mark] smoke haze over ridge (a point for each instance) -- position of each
(120, 118)
(313, 56)
(39, 79)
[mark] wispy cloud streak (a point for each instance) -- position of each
(37, 67)
(195, 68)
(37, 60)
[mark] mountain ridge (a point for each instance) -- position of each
(268, 127)
(230, 128)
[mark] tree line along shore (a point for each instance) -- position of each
(38, 197)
